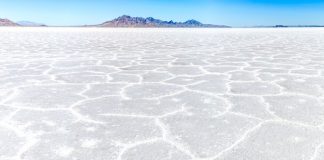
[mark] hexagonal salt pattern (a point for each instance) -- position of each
(161, 94)
(277, 141)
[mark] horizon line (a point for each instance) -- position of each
(232, 26)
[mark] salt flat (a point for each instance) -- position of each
(161, 94)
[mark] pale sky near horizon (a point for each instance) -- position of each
(227, 12)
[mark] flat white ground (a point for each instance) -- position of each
(161, 94)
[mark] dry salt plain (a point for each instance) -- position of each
(161, 94)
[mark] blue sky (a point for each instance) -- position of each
(229, 12)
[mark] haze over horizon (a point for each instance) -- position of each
(224, 12)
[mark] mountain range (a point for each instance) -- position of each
(7, 22)
(128, 22)
(30, 24)
(140, 22)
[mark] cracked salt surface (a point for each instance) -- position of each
(161, 94)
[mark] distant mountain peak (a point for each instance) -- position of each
(7, 22)
(125, 16)
(128, 21)
(193, 22)
(30, 24)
